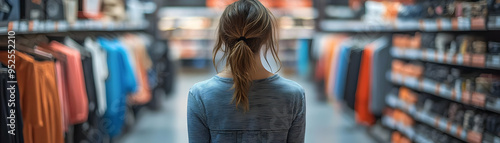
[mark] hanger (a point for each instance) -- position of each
(36, 53)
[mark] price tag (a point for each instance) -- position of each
(466, 59)
(459, 131)
(41, 26)
(478, 99)
(478, 23)
(463, 134)
(445, 91)
(459, 59)
(430, 25)
(49, 26)
(429, 86)
(440, 57)
(478, 60)
(445, 24)
(474, 137)
(464, 23)
(411, 82)
(412, 54)
(466, 95)
(23, 26)
(391, 101)
(494, 61)
(395, 52)
(494, 104)
(442, 124)
(453, 128)
(412, 110)
(450, 59)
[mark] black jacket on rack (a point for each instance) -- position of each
(352, 76)
(11, 125)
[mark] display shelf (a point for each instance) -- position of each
(407, 131)
(291, 33)
(49, 26)
(401, 25)
(478, 100)
(486, 61)
(435, 121)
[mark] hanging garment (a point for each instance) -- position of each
(12, 126)
(77, 94)
(121, 82)
(332, 64)
(89, 131)
(10, 10)
(363, 92)
(380, 85)
(62, 91)
(142, 64)
(100, 69)
(163, 65)
(303, 57)
(54, 9)
(340, 78)
(39, 99)
(32, 9)
(89, 9)
(352, 76)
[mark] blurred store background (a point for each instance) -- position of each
(119, 71)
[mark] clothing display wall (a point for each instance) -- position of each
(77, 90)
(354, 64)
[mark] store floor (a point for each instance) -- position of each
(325, 124)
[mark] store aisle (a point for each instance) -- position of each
(324, 124)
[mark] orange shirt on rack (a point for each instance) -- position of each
(77, 95)
(143, 62)
(331, 55)
(363, 92)
(39, 101)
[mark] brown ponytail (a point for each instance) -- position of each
(241, 62)
(244, 27)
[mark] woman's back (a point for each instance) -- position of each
(276, 112)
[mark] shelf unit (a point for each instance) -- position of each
(486, 61)
(402, 25)
(405, 130)
(436, 121)
(49, 26)
(475, 99)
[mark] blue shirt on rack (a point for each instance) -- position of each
(121, 82)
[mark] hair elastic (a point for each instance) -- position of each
(242, 38)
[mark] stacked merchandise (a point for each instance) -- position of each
(353, 68)
(425, 15)
(407, 128)
(461, 101)
(435, 15)
(457, 49)
(69, 10)
(75, 89)
(33, 16)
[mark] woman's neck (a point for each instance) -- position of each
(260, 71)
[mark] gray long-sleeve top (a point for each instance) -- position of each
(276, 114)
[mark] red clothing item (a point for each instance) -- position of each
(76, 93)
(63, 93)
(363, 92)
